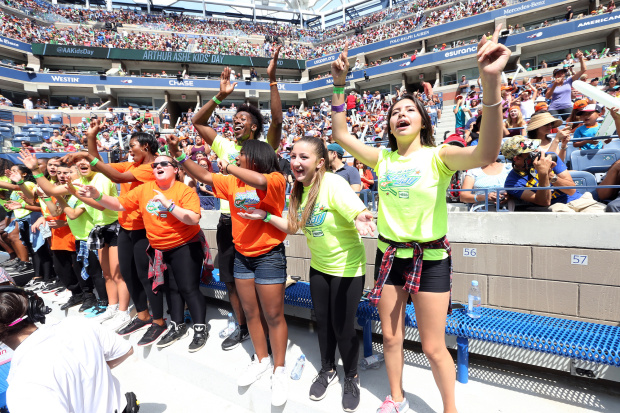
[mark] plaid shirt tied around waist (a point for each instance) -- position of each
(413, 272)
(157, 266)
(96, 238)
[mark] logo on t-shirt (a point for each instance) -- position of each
(399, 182)
(232, 157)
(154, 207)
(246, 200)
(317, 218)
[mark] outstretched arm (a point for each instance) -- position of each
(366, 154)
(200, 119)
(492, 58)
(194, 170)
(108, 202)
(30, 160)
(275, 129)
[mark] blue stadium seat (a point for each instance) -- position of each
(55, 120)
(570, 148)
(37, 119)
(614, 144)
(594, 160)
(583, 178)
(6, 116)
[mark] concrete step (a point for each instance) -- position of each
(174, 380)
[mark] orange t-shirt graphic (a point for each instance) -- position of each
(163, 230)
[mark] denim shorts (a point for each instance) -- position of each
(268, 268)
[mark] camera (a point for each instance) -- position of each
(534, 156)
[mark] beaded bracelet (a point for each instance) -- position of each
(491, 106)
(94, 162)
(216, 100)
(37, 176)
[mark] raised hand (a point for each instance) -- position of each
(15, 176)
(88, 191)
(28, 159)
(365, 224)
(72, 158)
(492, 56)
(226, 88)
(94, 128)
(273, 64)
(340, 66)
(222, 164)
(173, 145)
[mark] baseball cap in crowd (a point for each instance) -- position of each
(580, 104)
(592, 107)
(558, 70)
(594, 80)
(541, 119)
(516, 145)
(83, 119)
(541, 106)
(328, 132)
(334, 147)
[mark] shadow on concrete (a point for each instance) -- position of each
(152, 407)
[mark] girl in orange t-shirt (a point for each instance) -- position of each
(132, 239)
(171, 212)
(260, 261)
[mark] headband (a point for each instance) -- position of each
(20, 319)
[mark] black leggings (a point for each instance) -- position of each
(134, 265)
(95, 273)
(335, 301)
(68, 270)
(183, 279)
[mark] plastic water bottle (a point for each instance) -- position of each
(299, 368)
(371, 362)
(230, 327)
(473, 300)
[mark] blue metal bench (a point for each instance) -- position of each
(591, 342)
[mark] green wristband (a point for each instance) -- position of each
(267, 217)
(47, 199)
(216, 100)
(99, 197)
(20, 182)
(94, 162)
(182, 158)
(37, 176)
(338, 90)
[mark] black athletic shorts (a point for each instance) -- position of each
(435, 277)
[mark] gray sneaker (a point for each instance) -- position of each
(321, 383)
(175, 333)
(236, 338)
(390, 406)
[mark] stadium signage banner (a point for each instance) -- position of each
(437, 30)
(15, 44)
(160, 56)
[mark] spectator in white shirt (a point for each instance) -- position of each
(77, 377)
(28, 103)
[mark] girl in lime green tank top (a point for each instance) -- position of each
(330, 214)
(413, 259)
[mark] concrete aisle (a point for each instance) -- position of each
(173, 380)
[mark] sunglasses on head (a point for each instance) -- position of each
(162, 163)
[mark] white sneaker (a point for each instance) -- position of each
(279, 387)
(109, 313)
(120, 320)
(32, 284)
(255, 371)
(61, 297)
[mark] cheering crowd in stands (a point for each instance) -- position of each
(296, 41)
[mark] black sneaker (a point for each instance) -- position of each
(73, 301)
(17, 268)
(51, 287)
(351, 394)
(89, 301)
(321, 383)
(175, 332)
(152, 334)
(237, 337)
(200, 338)
(135, 325)
(133, 405)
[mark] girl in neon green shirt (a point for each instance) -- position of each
(413, 259)
(330, 214)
